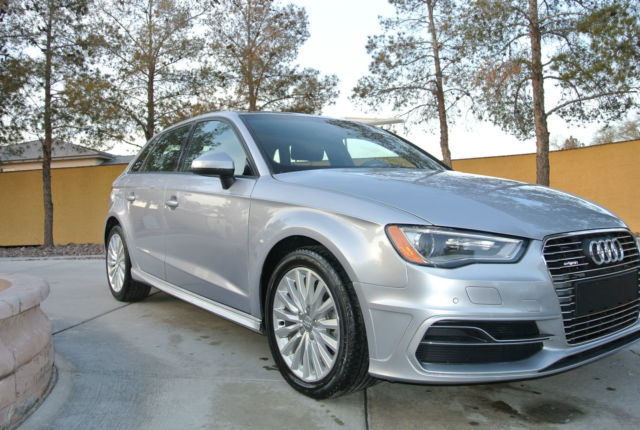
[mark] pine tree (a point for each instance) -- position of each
(587, 49)
(417, 65)
(42, 47)
(254, 44)
(146, 66)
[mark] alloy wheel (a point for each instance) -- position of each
(306, 324)
(116, 267)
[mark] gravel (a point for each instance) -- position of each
(71, 250)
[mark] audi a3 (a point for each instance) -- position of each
(362, 257)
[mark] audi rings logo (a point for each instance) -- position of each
(606, 251)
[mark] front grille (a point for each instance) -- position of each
(570, 266)
(477, 354)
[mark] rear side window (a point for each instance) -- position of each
(217, 136)
(141, 157)
(166, 151)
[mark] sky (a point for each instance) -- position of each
(339, 30)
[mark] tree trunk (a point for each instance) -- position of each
(47, 143)
(439, 92)
(151, 106)
(537, 81)
(151, 76)
(251, 87)
(250, 78)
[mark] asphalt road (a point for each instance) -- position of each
(165, 364)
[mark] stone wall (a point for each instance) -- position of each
(26, 346)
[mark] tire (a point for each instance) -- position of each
(118, 266)
(319, 341)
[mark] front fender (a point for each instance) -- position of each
(361, 247)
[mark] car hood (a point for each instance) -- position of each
(460, 200)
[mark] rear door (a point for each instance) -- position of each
(207, 227)
(144, 191)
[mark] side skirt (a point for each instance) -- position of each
(234, 315)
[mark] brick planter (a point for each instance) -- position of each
(26, 346)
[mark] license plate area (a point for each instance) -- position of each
(601, 294)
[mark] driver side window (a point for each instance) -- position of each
(217, 136)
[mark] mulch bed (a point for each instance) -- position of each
(71, 250)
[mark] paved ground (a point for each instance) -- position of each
(165, 364)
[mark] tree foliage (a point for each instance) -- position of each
(44, 44)
(417, 65)
(570, 142)
(12, 80)
(585, 53)
(628, 129)
(145, 71)
(254, 44)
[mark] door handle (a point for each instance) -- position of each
(172, 202)
(131, 196)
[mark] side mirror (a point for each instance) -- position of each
(215, 164)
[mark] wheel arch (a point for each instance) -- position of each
(277, 253)
(359, 247)
(111, 222)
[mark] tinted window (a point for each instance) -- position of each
(291, 142)
(216, 136)
(166, 151)
(141, 157)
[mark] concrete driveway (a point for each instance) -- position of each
(165, 364)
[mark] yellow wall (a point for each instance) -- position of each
(58, 163)
(80, 200)
(606, 174)
(21, 221)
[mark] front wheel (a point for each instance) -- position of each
(314, 325)
(118, 263)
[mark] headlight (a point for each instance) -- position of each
(441, 247)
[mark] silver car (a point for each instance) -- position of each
(360, 256)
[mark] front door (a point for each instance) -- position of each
(206, 225)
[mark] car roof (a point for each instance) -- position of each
(234, 115)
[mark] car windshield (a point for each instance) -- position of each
(295, 142)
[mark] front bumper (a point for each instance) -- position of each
(397, 320)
